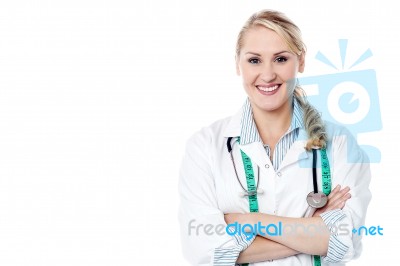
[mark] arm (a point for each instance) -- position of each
(263, 249)
(306, 238)
(350, 167)
(304, 241)
(202, 225)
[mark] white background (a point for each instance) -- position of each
(97, 99)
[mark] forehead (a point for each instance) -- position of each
(262, 40)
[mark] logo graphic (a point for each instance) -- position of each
(278, 229)
(349, 98)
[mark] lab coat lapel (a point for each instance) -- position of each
(297, 152)
(254, 150)
(257, 153)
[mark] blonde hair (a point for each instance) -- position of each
(291, 35)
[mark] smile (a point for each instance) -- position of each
(268, 89)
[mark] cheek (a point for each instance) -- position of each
(289, 78)
(248, 76)
(289, 71)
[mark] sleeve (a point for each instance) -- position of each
(350, 168)
(337, 248)
(202, 224)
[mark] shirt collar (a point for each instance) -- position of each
(249, 132)
(297, 116)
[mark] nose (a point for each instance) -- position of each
(267, 72)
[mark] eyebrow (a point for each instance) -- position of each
(257, 54)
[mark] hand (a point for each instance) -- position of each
(336, 200)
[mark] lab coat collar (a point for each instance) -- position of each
(297, 151)
(295, 154)
(234, 125)
(256, 150)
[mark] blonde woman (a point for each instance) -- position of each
(273, 184)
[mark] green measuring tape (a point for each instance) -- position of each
(326, 187)
(326, 173)
(251, 185)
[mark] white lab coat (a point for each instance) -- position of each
(208, 187)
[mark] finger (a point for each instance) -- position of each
(337, 188)
(340, 194)
(334, 191)
(340, 203)
(335, 204)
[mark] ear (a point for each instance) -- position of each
(237, 66)
(302, 62)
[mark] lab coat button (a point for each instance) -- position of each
(267, 166)
(279, 174)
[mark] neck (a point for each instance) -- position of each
(272, 125)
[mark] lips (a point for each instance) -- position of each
(268, 89)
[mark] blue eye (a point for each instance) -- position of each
(281, 59)
(254, 61)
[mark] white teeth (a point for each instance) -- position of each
(268, 89)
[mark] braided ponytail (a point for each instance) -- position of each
(313, 123)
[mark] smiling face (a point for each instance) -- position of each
(268, 69)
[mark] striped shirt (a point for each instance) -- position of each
(249, 134)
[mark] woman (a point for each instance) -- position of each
(256, 167)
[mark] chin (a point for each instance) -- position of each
(270, 105)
